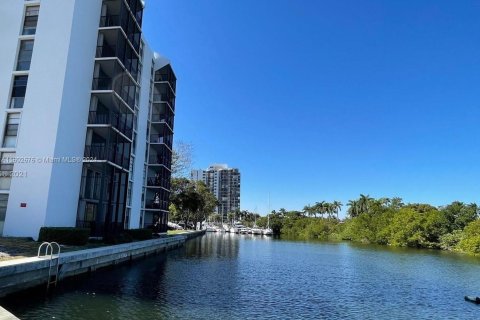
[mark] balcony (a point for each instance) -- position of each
(156, 204)
(160, 160)
(158, 182)
(109, 21)
(162, 118)
(101, 152)
(102, 83)
(113, 119)
(105, 51)
(122, 85)
(161, 139)
(159, 98)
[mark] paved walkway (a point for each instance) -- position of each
(18, 248)
(5, 315)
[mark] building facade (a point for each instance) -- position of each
(87, 120)
(224, 183)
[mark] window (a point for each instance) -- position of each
(11, 130)
(6, 167)
(30, 22)
(3, 210)
(18, 91)
(25, 55)
(90, 211)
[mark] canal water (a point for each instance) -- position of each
(227, 276)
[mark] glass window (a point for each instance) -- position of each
(25, 55)
(6, 167)
(90, 211)
(3, 208)
(18, 91)
(11, 130)
(30, 22)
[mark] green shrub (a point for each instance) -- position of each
(118, 238)
(470, 242)
(450, 241)
(64, 235)
(140, 234)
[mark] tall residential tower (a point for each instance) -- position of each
(224, 183)
(87, 121)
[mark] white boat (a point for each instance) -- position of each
(210, 229)
(256, 230)
(236, 228)
(267, 231)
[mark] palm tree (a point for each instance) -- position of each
(396, 203)
(319, 208)
(353, 209)
(337, 206)
(328, 209)
(231, 217)
(308, 210)
(323, 208)
(364, 203)
(385, 202)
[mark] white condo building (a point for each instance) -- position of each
(224, 183)
(87, 121)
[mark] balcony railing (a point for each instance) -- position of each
(158, 182)
(162, 118)
(111, 118)
(159, 205)
(165, 78)
(164, 98)
(165, 160)
(160, 138)
(106, 153)
(102, 83)
(109, 21)
(105, 51)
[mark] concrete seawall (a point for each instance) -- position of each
(21, 274)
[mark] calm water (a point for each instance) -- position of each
(245, 277)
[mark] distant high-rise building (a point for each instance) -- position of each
(224, 183)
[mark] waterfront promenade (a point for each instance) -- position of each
(23, 273)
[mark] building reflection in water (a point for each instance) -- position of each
(214, 245)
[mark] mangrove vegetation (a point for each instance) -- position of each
(385, 221)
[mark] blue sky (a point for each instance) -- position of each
(324, 100)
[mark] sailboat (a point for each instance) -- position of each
(267, 231)
(255, 229)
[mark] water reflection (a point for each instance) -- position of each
(216, 245)
(232, 276)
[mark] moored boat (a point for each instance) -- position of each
(473, 299)
(256, 230)
(267, 232)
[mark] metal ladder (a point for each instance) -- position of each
(54, 261)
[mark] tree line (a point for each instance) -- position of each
(386, 221)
